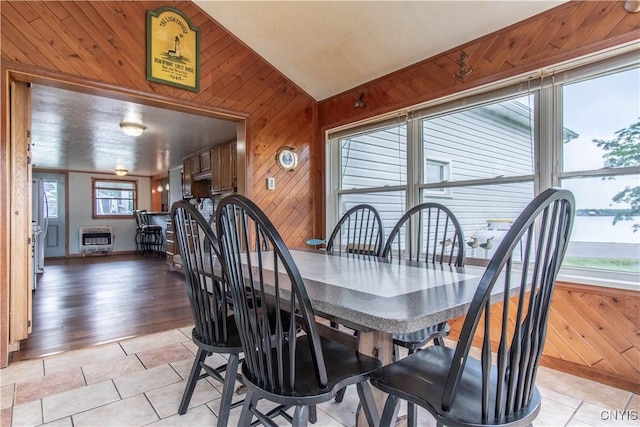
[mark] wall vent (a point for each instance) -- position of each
(96, 239)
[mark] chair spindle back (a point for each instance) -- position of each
(199, 250)
(428, 232)
(542, 230)
(250, 243)
(359, 232)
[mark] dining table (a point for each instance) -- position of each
(379, 298)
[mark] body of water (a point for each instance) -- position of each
(601, 229)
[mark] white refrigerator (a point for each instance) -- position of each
(39, 222)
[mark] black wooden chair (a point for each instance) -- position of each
(359, 233)
(292, 370)
(148, 236)
(215, 328)
(460, 390)
(428, 233)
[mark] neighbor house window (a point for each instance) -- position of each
(114, 198)
(486, 154)
(436, 171)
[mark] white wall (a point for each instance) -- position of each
(175, 186)
(80, 210)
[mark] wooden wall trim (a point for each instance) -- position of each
(4, 220)
(33, 74)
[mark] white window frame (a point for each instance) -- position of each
(94, 189)
(548, 135)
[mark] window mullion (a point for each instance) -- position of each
(545, 131)
(415, 162)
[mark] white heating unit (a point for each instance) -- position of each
(96, 239)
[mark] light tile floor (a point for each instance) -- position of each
(139, 382)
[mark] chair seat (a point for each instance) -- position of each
(415, 340)
(233, 344)
(345, 367)
(420, 378)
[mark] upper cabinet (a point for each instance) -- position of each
(210, 172)
(223, 168)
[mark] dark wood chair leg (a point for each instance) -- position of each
(412, 415)
(390, 412)
(227, 391)
(300, 416)
(368, 404)
(250, 401)
(340, 395)
(191, 382)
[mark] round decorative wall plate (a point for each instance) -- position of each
(287, 158)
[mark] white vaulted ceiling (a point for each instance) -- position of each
(328, 47)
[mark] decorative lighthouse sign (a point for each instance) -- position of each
(173, 54)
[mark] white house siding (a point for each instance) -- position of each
(480, 143)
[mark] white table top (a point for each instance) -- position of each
(386, 297)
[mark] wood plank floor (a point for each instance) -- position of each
(82, 302)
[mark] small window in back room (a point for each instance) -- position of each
(114, 198)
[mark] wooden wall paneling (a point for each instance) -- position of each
(556, 331)
(67, 48)
(587, 332)
(250, 80)
(611, 335)
(609, 23)
(530, 32)
(234, 85)
(16, 25)
(12, 51)
(628, 23)
(587, 335)
(104, 52)
(614, 316)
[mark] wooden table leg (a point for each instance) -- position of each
(379, 345)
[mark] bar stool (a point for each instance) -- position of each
(148, 238)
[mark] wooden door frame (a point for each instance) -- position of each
(12, 71)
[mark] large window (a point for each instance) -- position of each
(114, 198)
(600, 166)
(485, 155)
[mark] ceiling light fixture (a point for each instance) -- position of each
(132, 129)
(159, 188)
(121, 171)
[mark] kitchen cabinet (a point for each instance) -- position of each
(205, 161)
(210, 172)
(223, 168)
(193, 184)
(172, 246)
